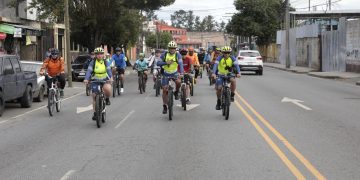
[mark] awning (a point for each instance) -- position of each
(7, 29)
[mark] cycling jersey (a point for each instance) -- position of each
(120, 60)
(98, 69)
(222, 65)
(142, 65)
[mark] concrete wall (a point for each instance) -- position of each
(353, 46)
(269, 53)
(308, 52)
(213, 38)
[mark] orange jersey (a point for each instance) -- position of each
(53, 67)
(194, 59)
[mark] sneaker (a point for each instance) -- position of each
(122, 90)
(188, 101)
(232, 98)
(94, 116)
(107, 101)
(176, 94)
(164, 109)
(61, 93)
(218, 105)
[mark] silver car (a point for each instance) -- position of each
(41, 89)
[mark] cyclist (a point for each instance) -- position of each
(223, 66)
(87, 62)
(141, 65)
(208, 58)
(170, 61)
(188, 68)
(201, 56)
(195, 61)
(99, 69)
(155, 66)
(54, 66)
(120, 65)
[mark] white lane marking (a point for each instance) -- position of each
(189, 106)
(296, 102)
(43, 107)
(83, 109)
(126, 117)
(68, 174)
(3, 121)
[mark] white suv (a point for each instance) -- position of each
(250, 60)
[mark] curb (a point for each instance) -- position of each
(289, 70)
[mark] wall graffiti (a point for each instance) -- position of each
(354, 53)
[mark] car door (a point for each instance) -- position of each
(20, 78)
(9, 80)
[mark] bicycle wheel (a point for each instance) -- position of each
(98, 110)
(227, 104)
(58, 101)
(223, 97)
(170, 103)
(144, 84)
(103, 112)
(140, 84)
(87, 90)
(119, 85)
(192, 87)
(51, 101)
(157, 87)
(201, 72)
(183, 97)
(114, 87)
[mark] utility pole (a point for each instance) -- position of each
(67, 42)
(330, 5)
(287, 26)
(309, 5)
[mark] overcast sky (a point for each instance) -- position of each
(222, 9)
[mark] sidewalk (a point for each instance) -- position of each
(352, 77)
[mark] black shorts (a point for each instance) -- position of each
(120, 70)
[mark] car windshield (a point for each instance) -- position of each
(81, 59)
(249, 54)
(31, 67)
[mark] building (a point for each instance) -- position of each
(22, 34)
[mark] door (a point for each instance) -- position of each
(20, 79)
(9, 80)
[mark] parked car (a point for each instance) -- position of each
(77, 67)
(41, 88)
(250, 60)
(15, 83)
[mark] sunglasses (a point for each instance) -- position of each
(226, 52)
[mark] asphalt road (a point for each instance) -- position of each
(264, 138)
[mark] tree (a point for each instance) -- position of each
(209, 23)
(256, 18)
(95, 22)
(178, 19)
(221, 26)
(164, 39)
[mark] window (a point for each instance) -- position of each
(16, 65)
(8, 69)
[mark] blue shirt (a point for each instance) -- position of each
(141, 65)
(119, 61)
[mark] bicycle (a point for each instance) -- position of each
(142, 81)
(54, 99)
(191, 84)
(100, 105)
(171, 97)
(210, 72)
(201, 69)
(158, 83)
(225, 95)
(117, 83)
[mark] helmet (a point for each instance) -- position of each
(172, 44)
(117, 49)
(157, 51)
(54, 51)
(218, 49)
(99, 50)
(141, 55)
(183, 51)
(226, 49)
(191, 48)
(210, 49)
(202, 49)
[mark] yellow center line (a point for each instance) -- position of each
(298, 155)
(276, 148)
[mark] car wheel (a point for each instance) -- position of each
(26, 99)
(40, 97)
(260, 72)
(2, 103)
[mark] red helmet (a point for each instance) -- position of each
(183, 51)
